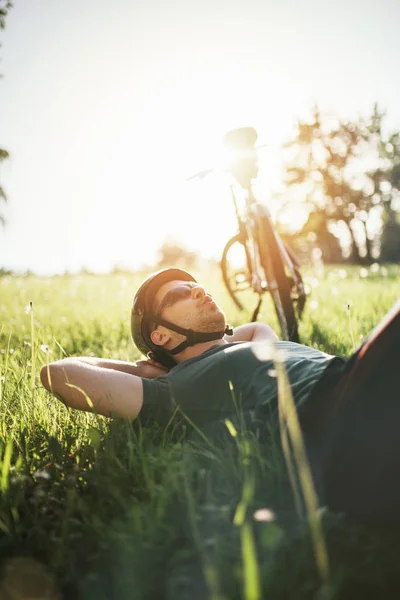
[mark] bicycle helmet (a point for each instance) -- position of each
(143, 317)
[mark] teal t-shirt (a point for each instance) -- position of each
(225, 378)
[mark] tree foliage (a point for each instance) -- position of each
(5, 6)
(3, 155)
(386, 186)
(346, 173)
(172, 253)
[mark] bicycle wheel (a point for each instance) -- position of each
(234, 267)
(299, 287)
(279, 284)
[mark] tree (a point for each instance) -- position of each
(324, 172)
(347, 172)
(5, 6)
(172, 253)
(315, 233)
(386, 186)
(3, 155)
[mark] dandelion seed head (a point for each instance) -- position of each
(42, 475)
(374, 268)
(363, 273)
(264, 514)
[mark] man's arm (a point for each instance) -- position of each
(141, 368)
(89, 387)
(253, 332)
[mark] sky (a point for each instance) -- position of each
(106, 108)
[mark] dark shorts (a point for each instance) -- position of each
(351, 428)
(320, 399)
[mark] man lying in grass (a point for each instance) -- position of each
(349, 409)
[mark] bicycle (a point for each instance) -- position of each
(268, 265)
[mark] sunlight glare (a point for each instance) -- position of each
(188, 122)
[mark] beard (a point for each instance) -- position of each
(206, 317)
(210, 320)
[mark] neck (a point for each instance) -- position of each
(197, 349)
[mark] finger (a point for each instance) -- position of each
(153, 362)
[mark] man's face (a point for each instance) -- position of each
(187, 304)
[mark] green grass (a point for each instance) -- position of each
(110, 510)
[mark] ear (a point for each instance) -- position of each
(160, 336)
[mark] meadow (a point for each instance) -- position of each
(93, 508)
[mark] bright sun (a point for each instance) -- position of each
(142, 194)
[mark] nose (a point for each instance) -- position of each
(198, 292)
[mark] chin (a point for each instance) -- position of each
(213, 318)
(219, 323)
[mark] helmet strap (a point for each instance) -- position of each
(192, 337)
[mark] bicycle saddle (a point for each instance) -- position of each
(243, 138)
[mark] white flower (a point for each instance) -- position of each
(42, 475)
(264, 514)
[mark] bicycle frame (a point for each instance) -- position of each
(253, 212)
(269, 266)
